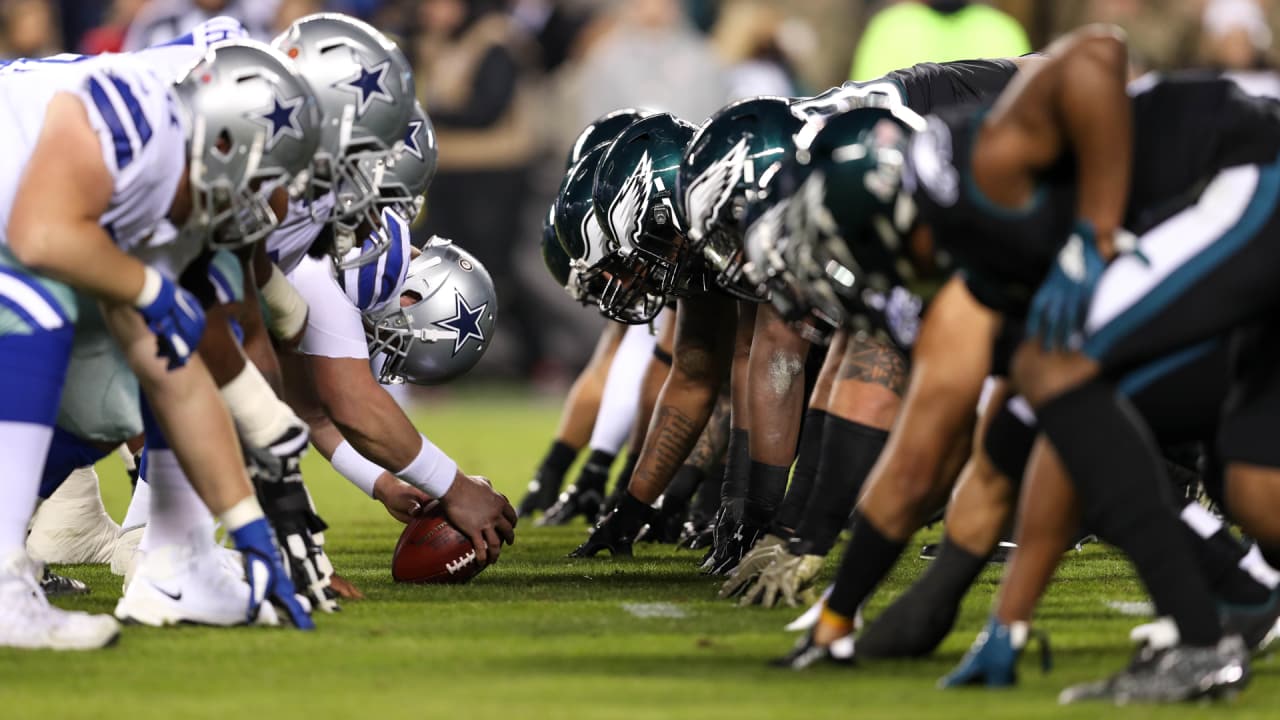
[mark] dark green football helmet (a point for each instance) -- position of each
(634, 204)
(553, 254)
(847, 216)
(730, 158)
(603, 130)
(596, 268)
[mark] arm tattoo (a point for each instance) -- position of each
(871, 361)
(714, 438)
(671, 436)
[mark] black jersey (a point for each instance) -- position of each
(1187, 128)
(929, 87)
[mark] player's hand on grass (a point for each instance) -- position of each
(267, 578)
(766, 551)
(400, 498)
(786, 580)
(344, 588)
(482, 514)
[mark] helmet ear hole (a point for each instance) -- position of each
(224, 145)
(409, 297)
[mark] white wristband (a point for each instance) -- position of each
(288, 308)
(260, 416)
(151, 284)
(356, 468)
(241, 514)
(432, 471)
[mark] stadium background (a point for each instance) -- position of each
(523, 76)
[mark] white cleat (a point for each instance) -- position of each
(72, 526)
(175, 584)
(125, 554)
(27, 620)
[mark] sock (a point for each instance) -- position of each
(707, 499)
(849, 451)
(767, 484)
(733, 492)
(1220, 556)
(139, 506)
(918, 621)
(558, 459)
(595, 472)
(177, 515)
(26, 445)
(867, 559)
(839, 623)
(792, 509)
(1254, 564)
(623, 482)
(675, 501)
(1118, 474)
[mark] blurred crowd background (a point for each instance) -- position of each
(509, 83)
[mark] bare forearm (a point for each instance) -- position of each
(714, 439)
(682, 413)
(257, 341)
(775, 389)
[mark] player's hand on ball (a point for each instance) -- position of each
(482, 514)
(400, 498)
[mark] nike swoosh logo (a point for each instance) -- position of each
(172, 596)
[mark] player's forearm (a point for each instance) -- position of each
(377, 428)
(218, 347)
(80, 254)
(714, 439)
(257, 342)
(682, 412)
(1096, 115)
(775, 389)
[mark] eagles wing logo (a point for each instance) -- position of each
(713, 188)
(626, 210)
(932, 165)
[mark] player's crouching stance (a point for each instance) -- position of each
(116, 151)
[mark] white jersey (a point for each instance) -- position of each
(173, 59)
(337, 307)
(287, 245)
(160, 21)
(131, 107)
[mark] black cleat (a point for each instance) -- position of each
(695, 534)
(541, 494)
(55, 585)
(1176, 674)
(573, 503)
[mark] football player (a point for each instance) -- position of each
(115, 150)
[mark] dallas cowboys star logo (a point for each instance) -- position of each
(281, 120)
(465, 322)
(368, 84)
(411, 145)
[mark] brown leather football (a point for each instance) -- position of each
(431, 550)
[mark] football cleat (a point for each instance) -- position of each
(697, 533)
(1174, 674)
(577, 501)
(992, 660)
(72, 526)
(541, 494)
(807, 653)
(999, 556)
(27, 620)
(124, 555)
(55, 585)
(178, 585)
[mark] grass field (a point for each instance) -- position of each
(541, 636)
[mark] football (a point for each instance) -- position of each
(430, 550)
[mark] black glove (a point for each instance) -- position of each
(277, 479)
(617, 531)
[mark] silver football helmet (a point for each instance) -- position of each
(443, 323)
(253, 123)
(405, 182)
(365, 89)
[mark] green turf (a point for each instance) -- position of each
(542, 636)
